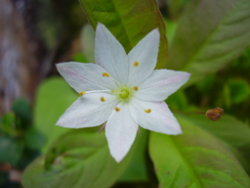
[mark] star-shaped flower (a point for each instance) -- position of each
(122, 90)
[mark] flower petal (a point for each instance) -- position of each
(121, 131)
(154, 116)
(85, 76)
(88, 110)
(110, 54)
(161, 84)
(143, 57)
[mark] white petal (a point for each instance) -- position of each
(88, 111)
(160, 119)
(161, 84)
(121, 131)
(110, 54)
(85, 76)
(145, 53)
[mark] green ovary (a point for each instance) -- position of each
(124, 94)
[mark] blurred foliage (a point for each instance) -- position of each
(58, 21)
(197, 157)
(229, 88)
(20, 142)
(53, 97)
(175, 7)
(80, 158)
(88, 42)
(208, 39)
(219, 34)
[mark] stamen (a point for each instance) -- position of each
(117, 109)
(82, 93)
(105, 74)
(136, 64)
(95, 91)
(148, 110)
(135, 88)
(102, 99)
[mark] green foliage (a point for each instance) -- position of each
(58, 21)
(88, 42)
(128, 21)
(211, 154)
(225, 129)
(171, 28)
(175, 7)
(209, 35)
(17, 136)
(236, 91)
(195, 159)
(137, 170)
(79, 57)
(11, 150)
(19, 141)
(79, 158)
(23, 112)
(54, 97)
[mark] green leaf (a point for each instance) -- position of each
(79, 158)
(175, 7)
(137, 170)
(10, 149)
(129, 21)
(7, 124)
(88, 42)
(23, 112)
(209, 35)
(224, 128)
(34, 139)
(239, 90)
(171, 28)
(54, 97)
(178, 101)
(230, 130)
(195, 159)
(79, 57)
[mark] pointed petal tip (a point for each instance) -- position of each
(173, 131)
(117, 159)
(60, 123)
(186, 76)
(155, 33)
(59, 66)
(176, 129)
(100, 24)
(177, 132)
(101, 27)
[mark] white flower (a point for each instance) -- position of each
(122, 90)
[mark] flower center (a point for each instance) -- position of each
(124, 94)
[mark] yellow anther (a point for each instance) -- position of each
(105, 74)
(82, 93)
(135, 88)
(147, 110)
(136, 64)
(102, 99)
(117, 109)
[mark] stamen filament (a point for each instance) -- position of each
(95, 91)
